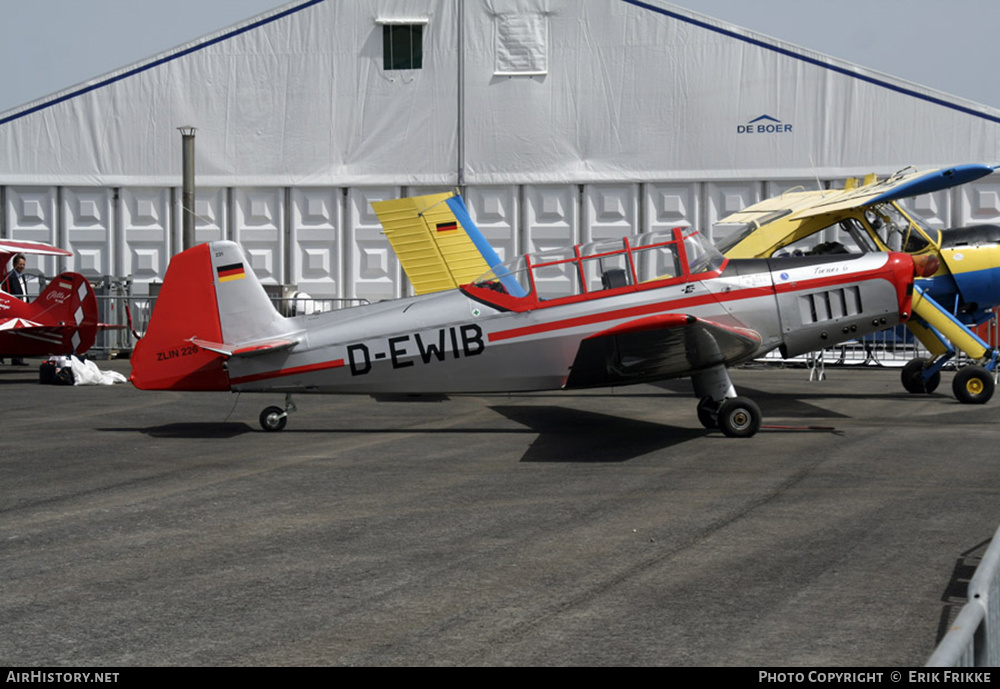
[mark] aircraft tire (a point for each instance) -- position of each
(973, 385)
(273, 419)
(708, 413)
(739, 417)
(913, 380)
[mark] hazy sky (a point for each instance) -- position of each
(49, 45)
(949, 45)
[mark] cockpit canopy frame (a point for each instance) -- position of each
(597, 269)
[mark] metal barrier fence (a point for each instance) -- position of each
(891, 348)
(304, 306)
(974, 637)
(114, 309)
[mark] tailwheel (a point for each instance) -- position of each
(913, 378)
(708, 413)
(739, 417)
(273, 419)
(973, 385)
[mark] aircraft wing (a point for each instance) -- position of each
(23, 327)
(658, 347)
(10, 246)
(901, 186)
(433, 244)
(805, 204)
(18, 324)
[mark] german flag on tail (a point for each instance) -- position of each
(233, 271)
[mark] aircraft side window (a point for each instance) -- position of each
(914, 240)
(521, 279)
(607, 272)
(702, 257)
(859, 239)
(555, 273)
(880, 224)
(844, 237)
(656, 262)
(555, 280)
(508, 278)
(896, 230)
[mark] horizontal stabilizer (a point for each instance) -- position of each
(247, 349)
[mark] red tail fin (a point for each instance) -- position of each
(166, 358)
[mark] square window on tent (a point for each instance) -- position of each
(521, 44)
(402, 45)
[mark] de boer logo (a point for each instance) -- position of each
(765, 124)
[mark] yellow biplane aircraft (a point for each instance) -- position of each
(962, 292)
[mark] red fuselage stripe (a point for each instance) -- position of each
(643, 310)
(337, 363)
(678, 304)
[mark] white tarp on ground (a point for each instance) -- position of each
(86, 372)
(552, 91)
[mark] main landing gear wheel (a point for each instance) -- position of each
(273, 419)
(739, 417)
(973, 385)
(913, 378)
(708, 413)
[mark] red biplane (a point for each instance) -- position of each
(62, 319)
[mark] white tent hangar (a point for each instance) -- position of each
(563, 120)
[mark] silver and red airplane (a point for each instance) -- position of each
(614, 312)
(60, 320)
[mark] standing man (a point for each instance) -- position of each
(16, 284)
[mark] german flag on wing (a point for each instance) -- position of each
(429, 242)
(233, 271)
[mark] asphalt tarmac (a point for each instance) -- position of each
(605, 528)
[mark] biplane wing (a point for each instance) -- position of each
(18, 324)
(35, 335)
(901, 185)
(11, 246)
